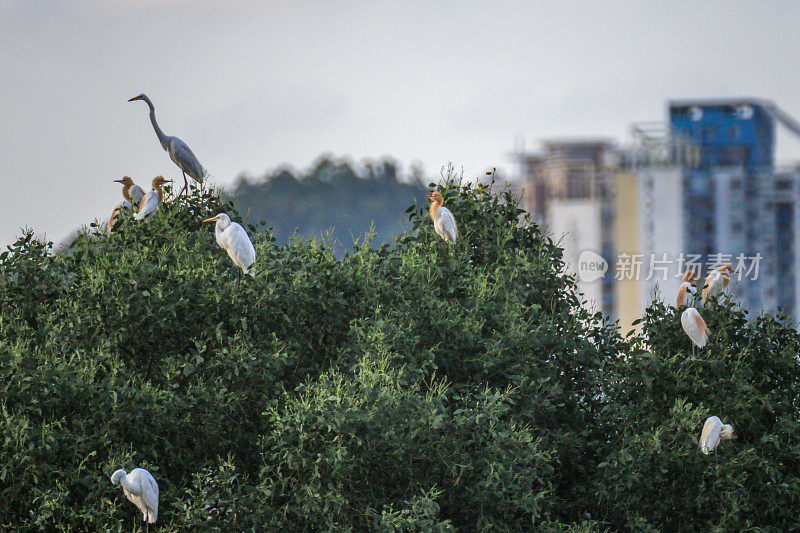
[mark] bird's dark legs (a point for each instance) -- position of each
(238, 278)
(185, 184)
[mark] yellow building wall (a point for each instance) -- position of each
(627, 236)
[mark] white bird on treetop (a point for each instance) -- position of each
(717, 280)
(234, 239)
(686, 289)
(132, 195)
(130, 191)
(443, 221)
(180, 154)
(141, 488)
(152, 199)
(713, 431)
(695, 327)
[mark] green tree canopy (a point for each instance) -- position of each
(417, 386)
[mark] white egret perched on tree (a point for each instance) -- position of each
(713, 431)
(234, 239)
(132, 195)
(141, 488)
(180, 154)
(152, 199)
(695, 327)
(687, 289)
(443, 220)
(716, 281)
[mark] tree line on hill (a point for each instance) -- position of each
(335, 200)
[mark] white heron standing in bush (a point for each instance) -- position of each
(687, 289)
(713, 431)
(717, 280)
(234, 239)
(180, 154)
(443, 220)
(132, 195)
(141, 489)
(152, 199)
(695, 327)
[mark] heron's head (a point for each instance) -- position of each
(125, 180)
(726, 432)
(160, 180)
(222, 217)
(688, 276)
(727, 268)
(140, 97)
(436, 197)
(117, 476)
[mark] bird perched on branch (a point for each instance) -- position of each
(713, 431)
(152, 199)
(695, 327)
(687, 289)
(716, 281)
(234, 239)
(141, 489)
(132, 195)
(443, 220)
(180, 154)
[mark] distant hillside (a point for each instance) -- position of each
(332, 196)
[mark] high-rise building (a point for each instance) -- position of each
(697, 190)
(568, 190)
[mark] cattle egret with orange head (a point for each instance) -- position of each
(695, 327)
(132, 195)
(713, 431)
(130, 191)
(716, 281)
(443, 221)
(687, 289)
(234, 239)
(141, 488)
(152, 199)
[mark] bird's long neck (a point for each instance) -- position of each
(160, 134)
(126, 192)
(434, 210)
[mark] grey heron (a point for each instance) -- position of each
(180, 154)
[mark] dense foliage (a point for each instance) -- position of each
(416, 386)
(335, 200)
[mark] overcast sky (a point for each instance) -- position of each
(251, 86)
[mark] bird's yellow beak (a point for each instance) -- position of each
(119, 181)
(134, 98)
(212, 219)
(430, 196)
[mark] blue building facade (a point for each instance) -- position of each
(733, 203)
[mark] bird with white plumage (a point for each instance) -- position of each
(141, 489)
(152, 200)
(443, 220)
(716, 281)
(695, 327)
(132, 196)
(232, 238)
(687, 290)
(713, 431)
